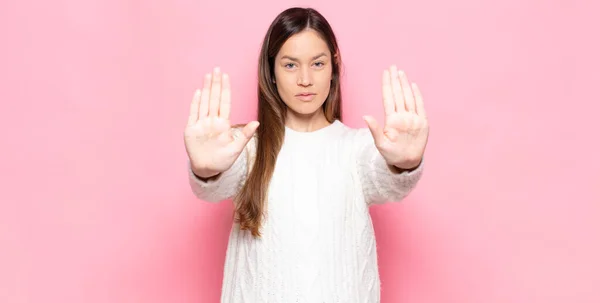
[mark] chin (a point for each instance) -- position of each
(305, 108)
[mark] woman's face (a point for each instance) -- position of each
(303, 71)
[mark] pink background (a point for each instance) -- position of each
(95, 204)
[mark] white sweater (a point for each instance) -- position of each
(317, 243)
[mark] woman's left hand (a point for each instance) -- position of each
(404, 135)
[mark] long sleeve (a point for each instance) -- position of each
(380, 183)
(227, 184)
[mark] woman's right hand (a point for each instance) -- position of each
(209, 141)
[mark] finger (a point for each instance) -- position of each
(397, 89)
(376, 131)
(409, 99)
(194, 108)
(388, 98)
(215, 93)
(247, 133)
(205, 97)
(419, 101)
(225, 105)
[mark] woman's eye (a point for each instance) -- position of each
(319, 64)
(289, 65)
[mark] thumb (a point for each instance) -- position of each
(246, 134)
(376, 131)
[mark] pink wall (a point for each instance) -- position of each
(95, 204)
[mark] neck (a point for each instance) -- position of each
(306, 123)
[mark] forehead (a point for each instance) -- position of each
(304, 45)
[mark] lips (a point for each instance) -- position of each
(305, 97)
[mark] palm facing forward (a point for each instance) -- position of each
(403, 138)
(208, 138)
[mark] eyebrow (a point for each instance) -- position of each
(296, 59)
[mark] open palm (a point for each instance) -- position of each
(403, 137)
(209, 141)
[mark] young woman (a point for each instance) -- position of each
(300, 179)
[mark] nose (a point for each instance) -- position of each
(304, 77)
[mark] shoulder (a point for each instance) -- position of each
(357, 136)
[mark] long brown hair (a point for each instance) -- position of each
(251, 200)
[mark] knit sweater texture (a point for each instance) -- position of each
(318, 242)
